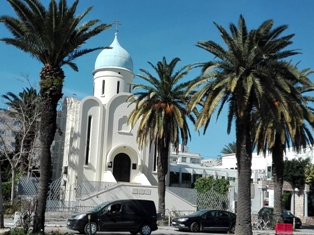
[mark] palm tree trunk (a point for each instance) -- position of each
(161, 188)
(162, 169)
(277, 172)
(244, 160)
(47, 133)
(51, 84)
(1, 202)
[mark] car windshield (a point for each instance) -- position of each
(199, 213)
(99, 207)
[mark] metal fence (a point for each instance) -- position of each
(61, 200)
(213, 200)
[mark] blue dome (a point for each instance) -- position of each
(114, 57)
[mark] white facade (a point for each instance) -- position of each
(99, 145)
(261, 165)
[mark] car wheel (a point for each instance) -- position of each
(92, 229)
(195, 227)
(232, 229)
(145, 229)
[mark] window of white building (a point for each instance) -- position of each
(269, 172)
(103, 87)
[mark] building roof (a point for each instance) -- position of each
(115, 56)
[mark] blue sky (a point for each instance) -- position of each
(152, 29)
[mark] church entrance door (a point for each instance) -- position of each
(122, 167)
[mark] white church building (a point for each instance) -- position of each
(98, 144)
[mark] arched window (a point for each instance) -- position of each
(88, 137)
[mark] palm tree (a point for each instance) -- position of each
(160, 109)
(246, 75)
(24, 109)
(54, 37)
(229, 148)
(290, 129)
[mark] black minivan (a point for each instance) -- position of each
(133, 215)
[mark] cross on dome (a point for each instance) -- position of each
(117, 23)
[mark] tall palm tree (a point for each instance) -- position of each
(291, 128)
(246, 76)
(54, 37)
(24, 109)
(160, 109)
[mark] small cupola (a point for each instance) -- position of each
(115, 56)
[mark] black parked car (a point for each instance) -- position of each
(135, 216)
(206, 220)
(287, 216)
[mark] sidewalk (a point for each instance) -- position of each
(50, 222)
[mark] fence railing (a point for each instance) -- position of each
(61, 200)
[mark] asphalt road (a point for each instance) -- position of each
(171, 231)
(60, 226)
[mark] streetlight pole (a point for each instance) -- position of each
(295, 190)
(263, 187)
(306, 191)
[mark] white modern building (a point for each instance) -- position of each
(262, 178)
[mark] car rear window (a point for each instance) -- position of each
(140, 207)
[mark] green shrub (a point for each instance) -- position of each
(17, 231)
(11, 209)
(6, 190)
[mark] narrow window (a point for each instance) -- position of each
(130, 88)
(118, 87)
(155, 158)
(103, 87)
(269, 172)
(89, 125)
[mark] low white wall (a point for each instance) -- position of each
(125, 191)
